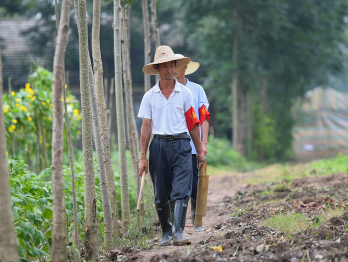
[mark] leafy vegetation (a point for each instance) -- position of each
(32, 207)
(221, 155)
(28, 119)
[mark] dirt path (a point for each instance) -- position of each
(220, 187)
(311, 214)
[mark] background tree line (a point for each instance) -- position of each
(283, 49)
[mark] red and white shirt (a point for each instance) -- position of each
(201, 106)
(170, 116)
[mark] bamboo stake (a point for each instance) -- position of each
(72, 170)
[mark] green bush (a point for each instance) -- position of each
(28, 118)
(220, 153)
(32, 206)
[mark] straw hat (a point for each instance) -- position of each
(165, 54)
(191, 67)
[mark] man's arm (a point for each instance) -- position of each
(198, 145)
(205, 132)
(144, 142)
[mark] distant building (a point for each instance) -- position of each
(321, 128)
(15, 50)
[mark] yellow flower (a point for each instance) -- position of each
(44, 118)
(13, 93)
(66, 86)
(33, 98)
(51, 105)
(6, 108)
(11, 128)
(14, 121)
(29, 118)
(47, 144)
(79, 117)
(47, 100)
(68, 98)
(79, 132)
(18, 105)
(6, 153)
(18, 99)
(43, 103)
(76, 112)
(28, 89)
(49, 118)
(28, 96)
(23, 108)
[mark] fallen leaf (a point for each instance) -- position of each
(310, 204)
(219, 248)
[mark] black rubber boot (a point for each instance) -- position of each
(164, 217)
(179, 221)
(172, 206)
(193, 210)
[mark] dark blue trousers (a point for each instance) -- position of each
(194, 177)
(170, 166)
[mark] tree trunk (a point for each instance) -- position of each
(264, 93)
(59, 215)
(72, 171)
(101, 137)
(242, 121)
(147, 37)
(111, 115)
(8, 241)
(235, 133)
(38, 159)
(43, 132)
(120, 119)
(10, 97)
(250, 122)
(132, 131)
(91, 229)
(155, 28)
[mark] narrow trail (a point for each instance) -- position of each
(221, 186)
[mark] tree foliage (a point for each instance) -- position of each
(294, 43)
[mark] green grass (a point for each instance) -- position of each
(278, 172)
(291, 223)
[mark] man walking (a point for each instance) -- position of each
(201, 106)
(167, 110)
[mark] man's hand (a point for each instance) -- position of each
(200, 159)
(205, 150)
(143, 166)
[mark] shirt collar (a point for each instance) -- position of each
(177, 87)
(187, 82)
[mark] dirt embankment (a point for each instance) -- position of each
(242, 221)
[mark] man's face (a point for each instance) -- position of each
(166, 70)
(180, 72)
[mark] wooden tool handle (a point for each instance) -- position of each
(141, 192)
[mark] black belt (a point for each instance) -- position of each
(173, 137)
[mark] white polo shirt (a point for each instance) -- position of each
(167, 115)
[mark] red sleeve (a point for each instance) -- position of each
(191, 118)
(203, 114)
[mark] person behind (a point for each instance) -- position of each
(167, 110)
(201, 106)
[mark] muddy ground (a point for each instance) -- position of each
(235, 229)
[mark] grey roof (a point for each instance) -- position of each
(15, 49)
